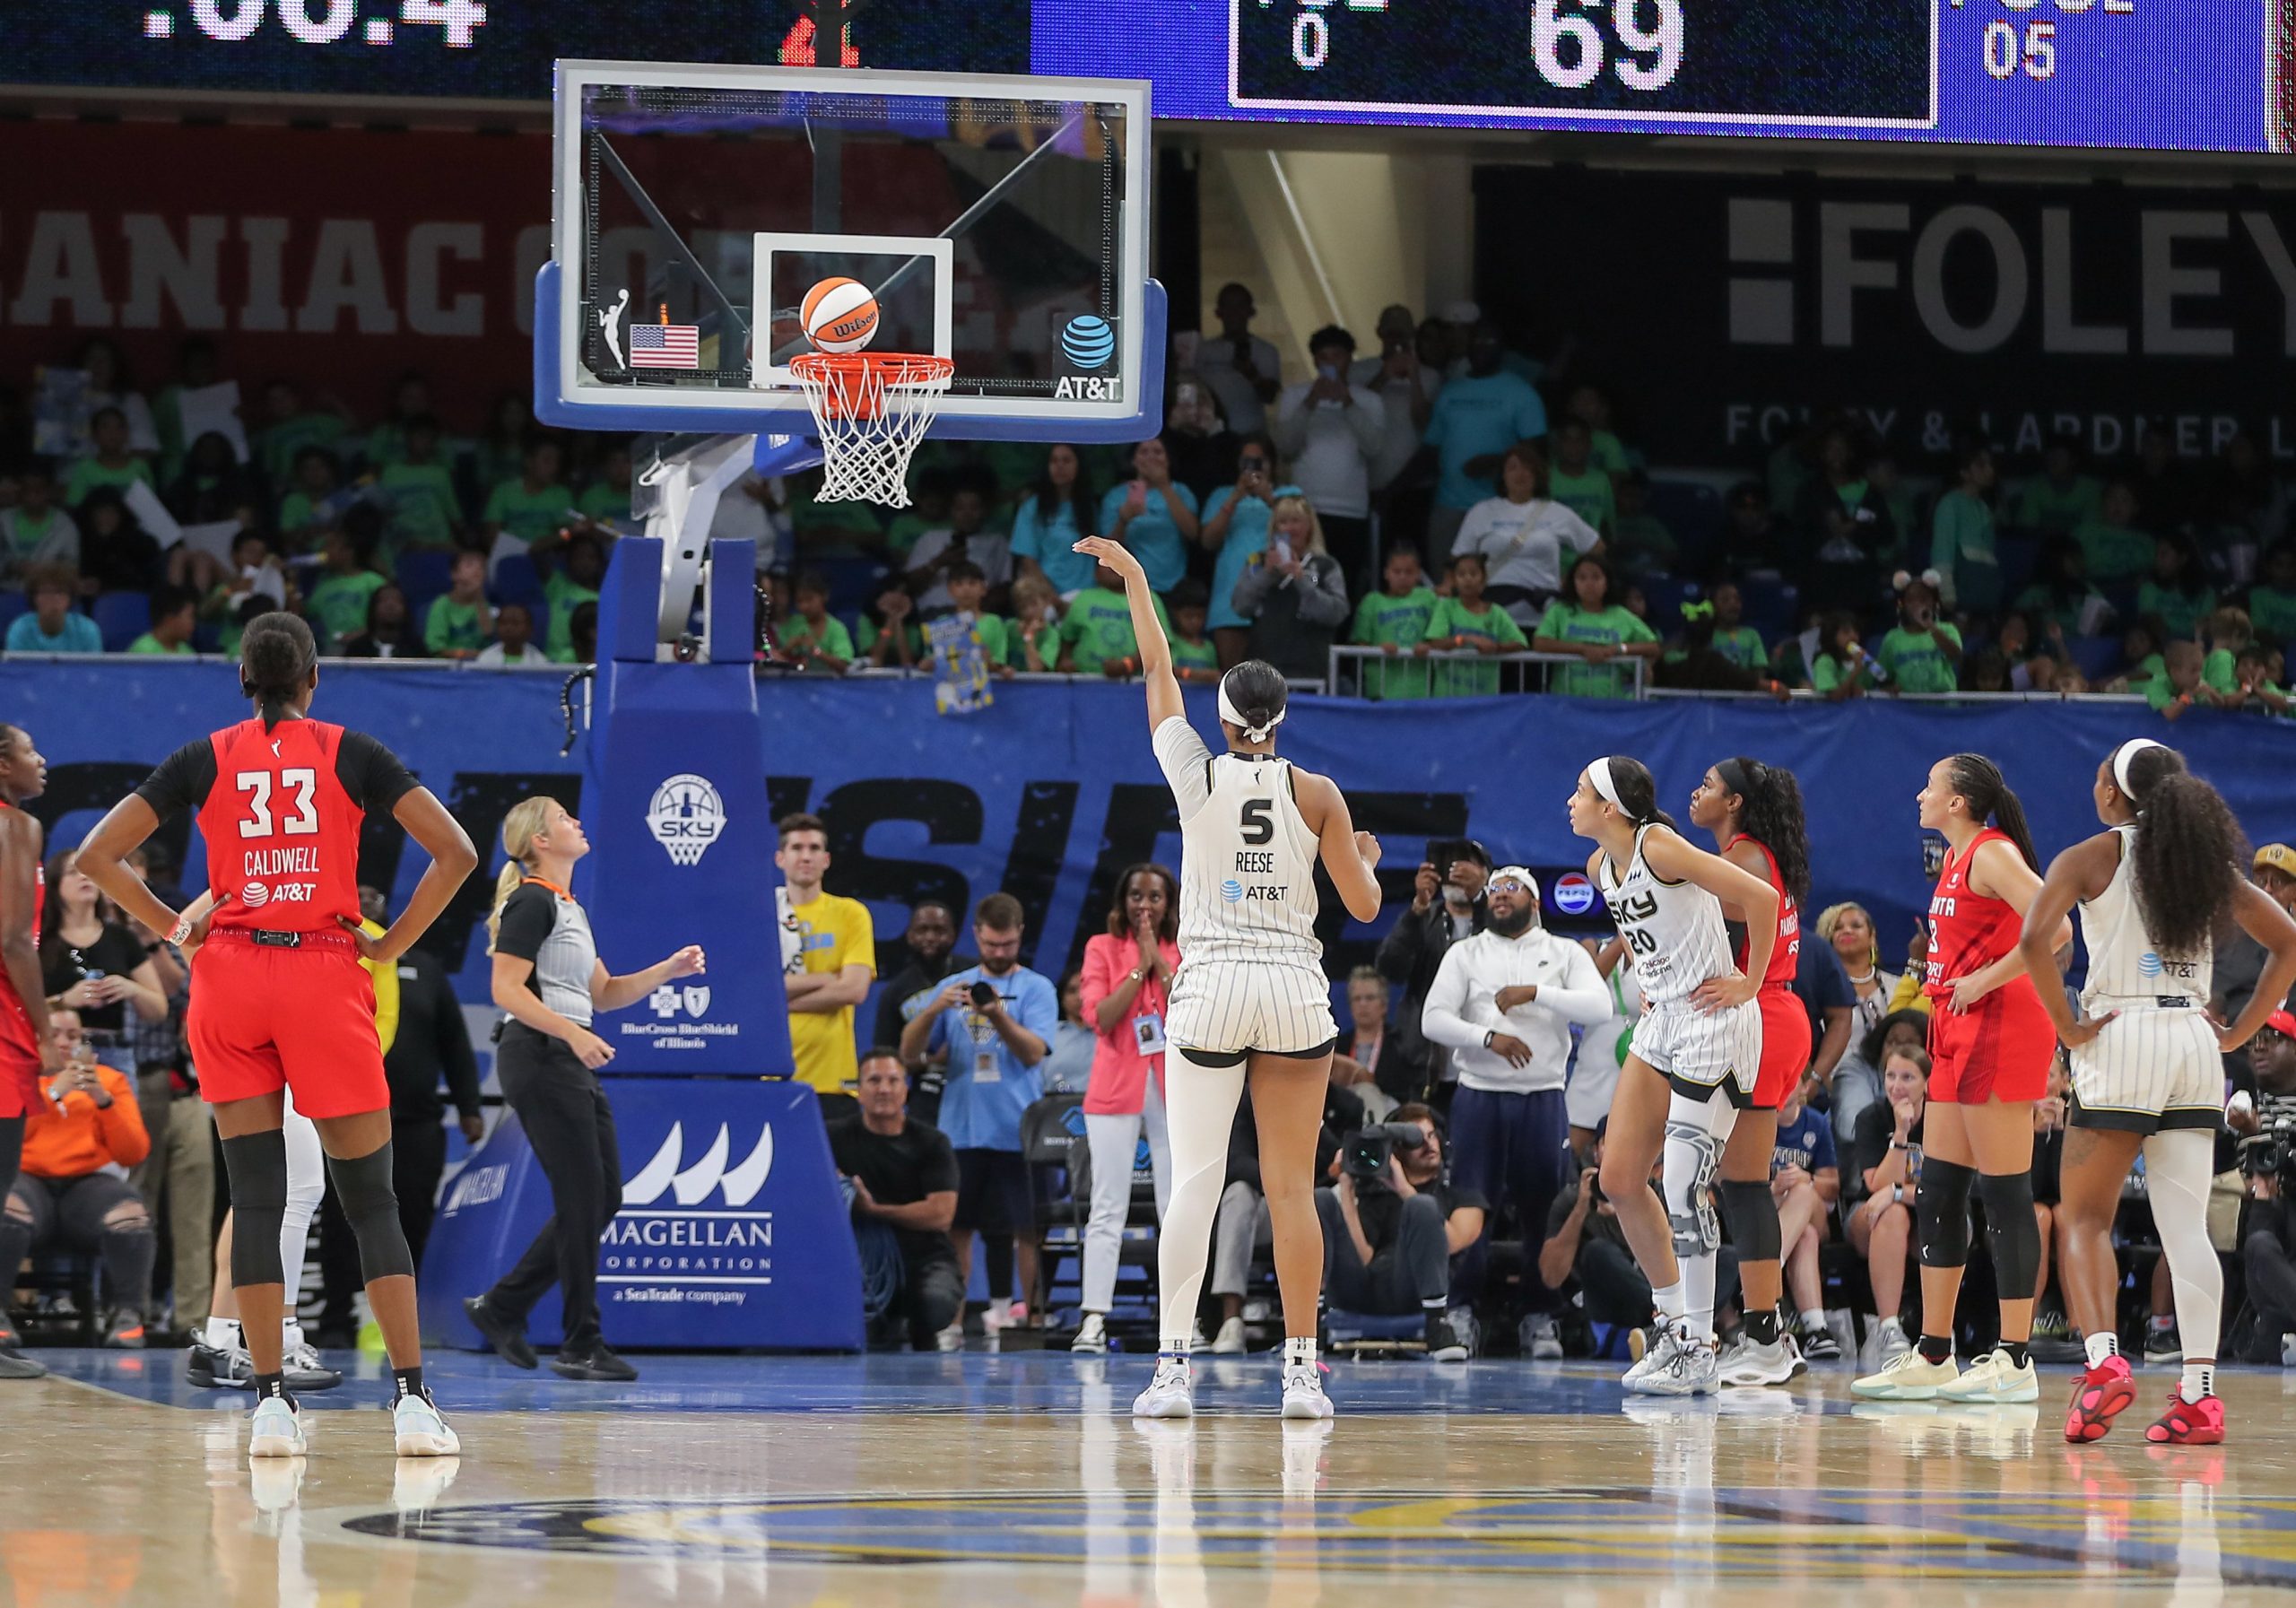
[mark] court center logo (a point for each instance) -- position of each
(686, 817)
(690, 1233)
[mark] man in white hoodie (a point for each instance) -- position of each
(1502, 1004)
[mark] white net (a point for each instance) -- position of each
(872, 409)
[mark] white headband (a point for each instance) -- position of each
(1598, 774)
(1253, 733)
(2123, 755)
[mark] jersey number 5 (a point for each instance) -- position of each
(1257, 825)
(256, 784)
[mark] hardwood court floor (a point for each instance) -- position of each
(1004, 1481)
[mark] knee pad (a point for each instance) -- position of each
(2011, 1232)
(258, 1166)
(1753, 1221)
(1941, 1208)
(370, 1204)
(1693, 1155)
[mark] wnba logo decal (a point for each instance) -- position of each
(686, 817)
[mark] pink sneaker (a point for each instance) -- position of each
(2189, 1423)
(2100, 1395)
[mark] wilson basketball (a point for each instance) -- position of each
(839, 315)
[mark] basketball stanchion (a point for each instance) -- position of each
(872, 409)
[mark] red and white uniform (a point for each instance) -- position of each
(279, 998)
(1785, 1024)
(19, 1044)
(2001, 1049)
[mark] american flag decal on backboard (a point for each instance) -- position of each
(665, 346)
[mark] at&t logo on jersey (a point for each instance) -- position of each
(685, 817)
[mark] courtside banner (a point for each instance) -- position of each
(1051, 792)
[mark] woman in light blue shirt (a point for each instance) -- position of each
(1235, 520)
(1153, 515)
(1053, 515)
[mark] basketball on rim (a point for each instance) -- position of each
(839, 315)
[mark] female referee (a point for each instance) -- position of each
(1754, 812)
(2147, 1066)
(280, 998)
(1991, 1046)
(1251, 999)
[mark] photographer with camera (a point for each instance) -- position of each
(1586, 1241)
(1502, 1004)
(2265, 1123)
(1393, 1222)
(1446, 905)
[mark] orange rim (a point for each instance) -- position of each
(853, 385)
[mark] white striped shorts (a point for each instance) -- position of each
(2150, 1069)
(1701, 1051)
(1228, 1007)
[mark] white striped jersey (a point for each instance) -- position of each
(1674, 929)
(2123, 963)
(1248, 860)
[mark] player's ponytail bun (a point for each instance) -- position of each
(2189, 852)
(277, 656)
(1979, 782)
(1638, 792)
(1252, 698)
(526, 818)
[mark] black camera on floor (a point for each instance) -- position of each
(1364, 1155)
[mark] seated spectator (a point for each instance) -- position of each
(604, 502)
(112, 465)
(1235, 525)
(1394, 619)
(1856, 1085)
(927, 955)
(1096, 637)
(2061, 600)
(1068, 1068)
(1584, 1241)
(390, 632)
(337, 603)
(457, 625)
(571, 577)
(1469, 621)
(315, 501)
(1154, 515)
(1390, 1234)
(2180, 685)
(1846, 533)
(1733, 639)
(1756, 537)
(890, 636)
(1478, 415)
(2226, 635)
(1127, 979)
(175, 615)
(289, 427)
(110, 384)
(1242, 1226)
(1329, 428)
(814, 637)
(1244, 371)
(36, 534)
(964, 539)
(1847, 928)
(117, 553)
(1578, 482)
(52, 626)
(2060, 499)
(1504, 1002)
(1036, 624)
(1372, 1054)
(1526, 540)
(1591, 405)
(1843, 668)
(514, 638)
(1963, 549)
(1588, 622)
(78, 1138)
(1887, 1155)
(1053, 515)
(1805, 1182)
(2177, 595)
(1640, 541)
(903, 1178)
(410, 399)
(534, 506)
(418, 487)
(2272, 601)
(2253, 686)
(1822, 987)
(1296, 594)
(1194, 660)
(214, 485)
(1922, 652)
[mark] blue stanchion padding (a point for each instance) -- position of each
(733, 1229)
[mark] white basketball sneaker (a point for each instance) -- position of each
(1172, 1393)
(423, 1431)
(276, 1429)
(1303, 1391)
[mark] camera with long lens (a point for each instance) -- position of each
(2272, 1154)
(1366, 1151)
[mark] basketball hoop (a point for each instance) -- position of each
(872, 409)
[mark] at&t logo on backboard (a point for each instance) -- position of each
(1088, 342)
(686, 817)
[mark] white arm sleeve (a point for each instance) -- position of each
(1440, 1019)
(1185, 761)
(1582, 996)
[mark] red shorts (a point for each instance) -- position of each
(20, 1067)
(2002, 1050)
(1785, 1045)
(265, 1018)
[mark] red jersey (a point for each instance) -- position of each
(1967, 931)
(1785, 955)
(17, 1043)
(280, 808)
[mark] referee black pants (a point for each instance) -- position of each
(569, 1126)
